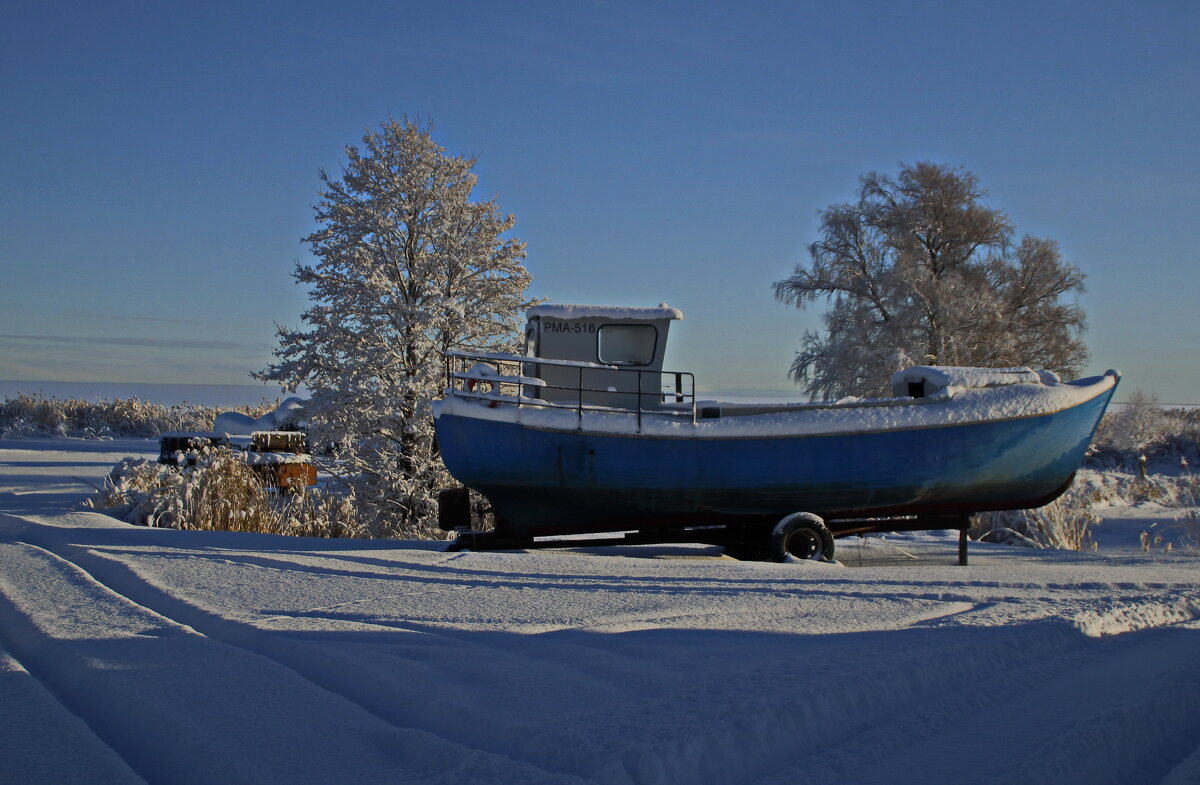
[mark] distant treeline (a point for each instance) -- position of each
(36, 415)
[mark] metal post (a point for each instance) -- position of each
(639, 401)
(692, 389)
(962, 547)
(579, 408)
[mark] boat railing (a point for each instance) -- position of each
(514, 379)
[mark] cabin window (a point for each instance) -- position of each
(627, 344)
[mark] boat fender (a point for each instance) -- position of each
(481, 372)
(473, 383)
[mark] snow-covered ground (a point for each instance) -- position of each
(130, 654)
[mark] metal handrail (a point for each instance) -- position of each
(456, 381)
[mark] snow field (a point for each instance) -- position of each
(181, 706)
(32, 716)
(202, 656)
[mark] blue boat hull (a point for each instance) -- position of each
(551, 481)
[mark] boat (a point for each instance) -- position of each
(585, 433)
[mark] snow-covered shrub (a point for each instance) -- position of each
(1189, 532)
(36, 415)
(31, 415)
(1139, 424)
(140, 491)
(315, 513)
(1063, 524)
(1129, 488)
(1143, 429)
(219, 493)
(1181, 535)
(1188, 524)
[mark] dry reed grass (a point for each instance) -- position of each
(220, 493)
(1063, 524)
(35, 415)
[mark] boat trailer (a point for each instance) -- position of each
(800, 535)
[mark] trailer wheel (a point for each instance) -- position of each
(802, 535)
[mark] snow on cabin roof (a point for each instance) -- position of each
(564, 311)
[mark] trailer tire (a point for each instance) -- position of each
(801, 535)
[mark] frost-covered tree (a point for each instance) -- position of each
(920, 271)
(407, 267)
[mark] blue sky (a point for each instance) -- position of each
(160, 160)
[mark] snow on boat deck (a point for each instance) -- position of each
(143, 655)
(952, 407)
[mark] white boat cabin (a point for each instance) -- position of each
(631, 341)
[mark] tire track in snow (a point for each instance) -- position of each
(323, 668)
(180, 706)
(954, 673)
(33, 720)
(811, 703)
(1120, 711)
(330, 670)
